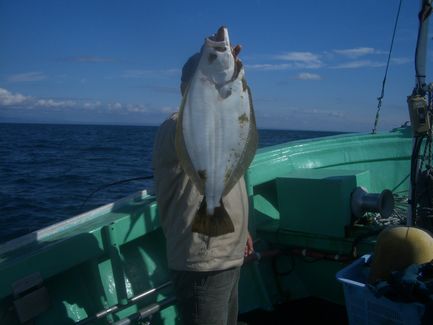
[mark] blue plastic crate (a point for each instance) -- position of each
(363, 307)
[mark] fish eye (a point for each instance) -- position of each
(211, 58)
(220, 49)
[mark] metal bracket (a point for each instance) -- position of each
(30, 297)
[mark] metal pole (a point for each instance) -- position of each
(421, 47)
(115, 308)
(420, 90)
(147, 311)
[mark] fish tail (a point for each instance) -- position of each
(212, 225)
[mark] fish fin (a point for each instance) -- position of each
(249, 151)
(212, 225)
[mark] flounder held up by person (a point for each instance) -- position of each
(216, 136)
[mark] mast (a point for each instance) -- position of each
(418, 106)
(421, 47)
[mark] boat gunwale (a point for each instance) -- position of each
(44, 233)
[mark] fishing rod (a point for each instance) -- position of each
(419, 108)
(112, 184)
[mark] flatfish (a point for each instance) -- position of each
(216, 136)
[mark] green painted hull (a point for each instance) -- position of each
(107, 256)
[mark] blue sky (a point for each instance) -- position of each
(311, 65)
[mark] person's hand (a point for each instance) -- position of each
(249, 248)
(236, 50)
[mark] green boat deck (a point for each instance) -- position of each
(299, 201)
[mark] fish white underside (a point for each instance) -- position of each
(215, 132)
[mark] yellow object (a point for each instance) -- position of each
(397, 248)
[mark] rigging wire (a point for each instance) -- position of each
(111, 184)
(382, 93)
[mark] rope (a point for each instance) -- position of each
(382, 94)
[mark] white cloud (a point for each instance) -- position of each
(25, 77)
(359, 64)
(136, 108)
(143, 73)
(9, 99)
(301, 59)
(270, 67)
(308, 76)
(356, 52)
(115, 106)
(75, 109)
(400, 60)
(91, 105)
(317, 112)
(352, 58)
(53, 103)
(13, 100)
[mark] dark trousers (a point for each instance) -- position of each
(207, 298)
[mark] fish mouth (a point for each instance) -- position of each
(220, 39)
(221, 34)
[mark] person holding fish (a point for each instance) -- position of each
(200, 156)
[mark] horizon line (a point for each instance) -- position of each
(153, 125)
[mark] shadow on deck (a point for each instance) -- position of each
(299, 312)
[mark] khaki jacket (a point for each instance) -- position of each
(178, 200)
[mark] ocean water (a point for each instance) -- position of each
(48, 171)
